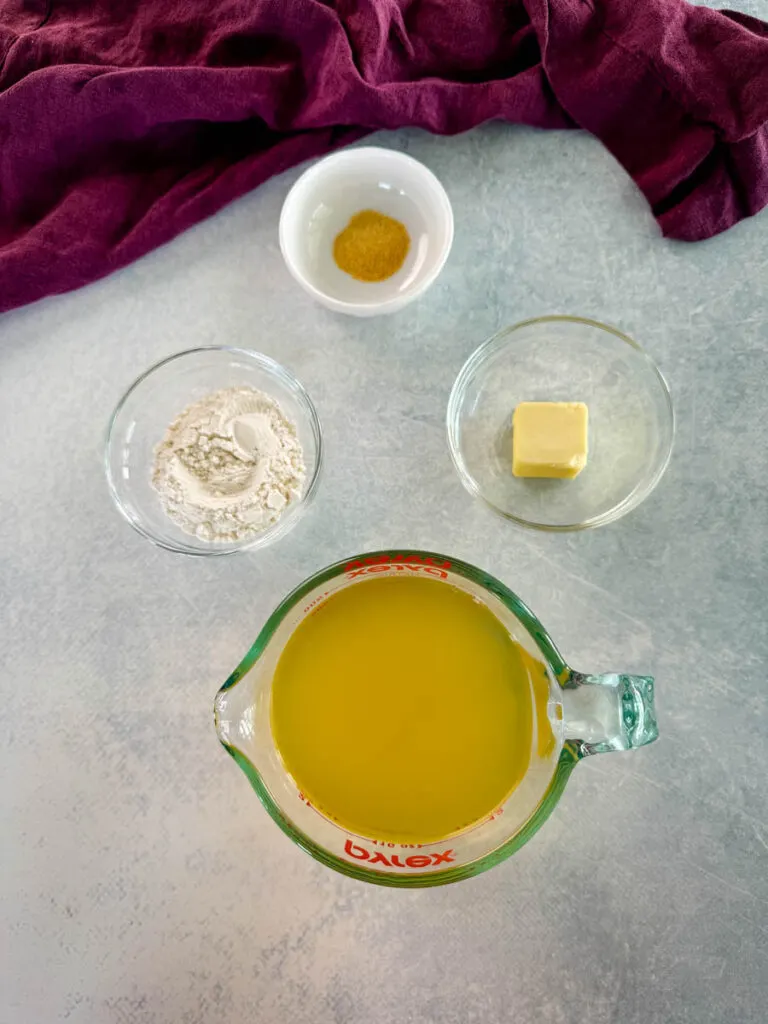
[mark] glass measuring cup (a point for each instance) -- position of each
(577, 715)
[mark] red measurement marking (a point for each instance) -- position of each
(315, 602)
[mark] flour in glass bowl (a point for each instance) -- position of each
(229, 465)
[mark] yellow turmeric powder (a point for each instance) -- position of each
(372, 247)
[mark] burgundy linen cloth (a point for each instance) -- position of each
(123, 122)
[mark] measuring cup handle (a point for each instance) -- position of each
(608, 712)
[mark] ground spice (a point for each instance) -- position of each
(372, 247)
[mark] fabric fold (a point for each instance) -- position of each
(121, 125)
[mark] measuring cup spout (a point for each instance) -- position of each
(608, 712)
(232, 714)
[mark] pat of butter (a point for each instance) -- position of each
(549, 439)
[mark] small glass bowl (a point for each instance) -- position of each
(157, 397)
(562, 359)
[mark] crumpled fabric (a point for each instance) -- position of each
(124, 122)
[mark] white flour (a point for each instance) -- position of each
(229, 465)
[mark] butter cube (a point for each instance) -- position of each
(549, 439)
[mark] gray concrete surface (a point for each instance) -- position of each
(142, 882)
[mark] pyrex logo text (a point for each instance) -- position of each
(401, 563)
(419, 860)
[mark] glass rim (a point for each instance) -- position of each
(478, 356)
(284, 523)
(568, 758)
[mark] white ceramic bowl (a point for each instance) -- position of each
(324, 199)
